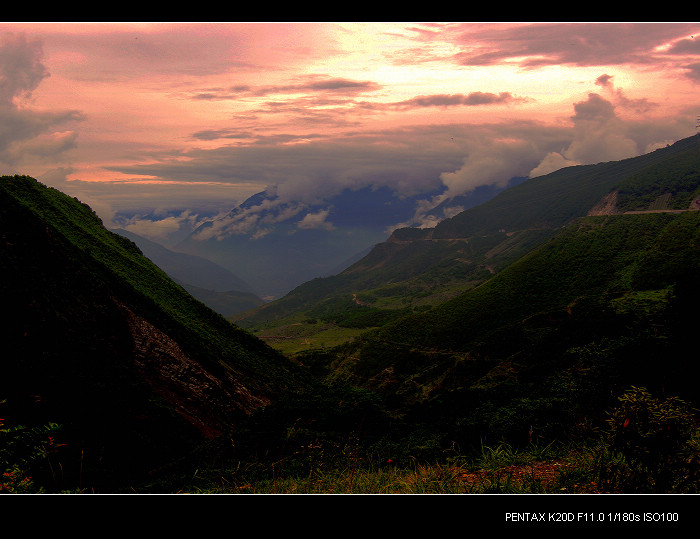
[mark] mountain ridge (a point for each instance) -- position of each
(102, 342)
(210, 283)
(277, 245)
(472, 246)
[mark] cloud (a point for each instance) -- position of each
(692, 71)
(599, 134)
(217, 134)
(552, 162)
(491, 163)
(575, 44)
(23, 131)
(639, 106)
(314, 84)
(316, 220)
(413, 160)
(259, 219)
(284, 133)
(117, 53)
(452, 100)
(49, 145)
(21, 69)
(408, 160)
(425, 215)
(256, 219)
(160, 230)
(686, 46)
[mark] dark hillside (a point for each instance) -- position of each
(102, 342)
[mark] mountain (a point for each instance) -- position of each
(602, 296)
(211, 284)
(542, 351)
(521, 321)
(101, 341)
(194, 270)
(228, 304)
(416, 269)
(276, 244)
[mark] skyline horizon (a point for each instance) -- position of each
(160, 126)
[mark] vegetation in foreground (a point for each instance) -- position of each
(648, 445)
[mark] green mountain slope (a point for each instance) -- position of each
(552, 200)
(103, 342)
(607, 303)
(416, 269)
(593, 287)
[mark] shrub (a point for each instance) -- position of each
(23, 451)
(656, 438)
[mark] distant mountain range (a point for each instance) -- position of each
(216, 287)
(421, 267)
(525, 317)
(276, 245)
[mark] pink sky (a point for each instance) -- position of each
(200, 116)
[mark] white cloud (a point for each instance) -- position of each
(161, 230)
(316, 220)
(25, 132)
(599, 134)
(492, 163)
(553, 161)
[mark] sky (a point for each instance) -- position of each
(159, 126)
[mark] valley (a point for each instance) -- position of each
(550, 323)
(416, 269)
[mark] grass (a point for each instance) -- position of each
(294, 338)
(498, 469)
(367, 479)
(295, 334)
